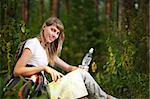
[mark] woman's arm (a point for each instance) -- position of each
(21, 69)
(63, 65)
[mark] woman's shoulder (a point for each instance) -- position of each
(31, 43)
(32, 40)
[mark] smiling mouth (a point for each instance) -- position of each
(51, 39)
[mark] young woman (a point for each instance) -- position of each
(43, 50)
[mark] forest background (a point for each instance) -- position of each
(118, 30)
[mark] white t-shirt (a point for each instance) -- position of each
(39, 56)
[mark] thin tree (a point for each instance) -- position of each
(97, 8)
(120, 9)
(25, 11)
(66, 5)
(108, 8)
(41, 9)
(54, 7)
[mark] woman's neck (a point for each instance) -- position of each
(42, 42)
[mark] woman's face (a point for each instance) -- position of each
(51, 33)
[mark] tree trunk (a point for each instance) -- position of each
(66, 6)
(120, 9)
(41, 10)
(97, 8)
(25, 11)
(108, 8)
(54, 8)
(128, 14)
(145, 6)
(3, 12)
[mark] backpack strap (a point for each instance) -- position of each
(13, 81)
(39, 84)
(31, 88)
(19, 52)
(24, 89)
(20, 49)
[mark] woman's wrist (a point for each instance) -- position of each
(46, 68)
(73, 68)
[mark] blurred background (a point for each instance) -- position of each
(118, 30)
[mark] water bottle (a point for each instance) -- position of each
(87, 59)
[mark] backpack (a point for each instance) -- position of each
(18, 54)
(26, 87)
(19, 50)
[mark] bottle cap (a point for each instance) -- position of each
(91, 50)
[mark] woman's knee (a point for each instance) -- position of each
(84, 73)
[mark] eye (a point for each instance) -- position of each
(58, 33)
(53, 30)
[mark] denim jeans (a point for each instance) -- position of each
(94, 90)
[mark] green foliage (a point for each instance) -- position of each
(120, 75)
(121, 57)
(124, 80)
(11, 34)
(80, 27)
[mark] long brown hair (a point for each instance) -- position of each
(55, 47)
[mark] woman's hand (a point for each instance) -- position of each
(54, 74)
